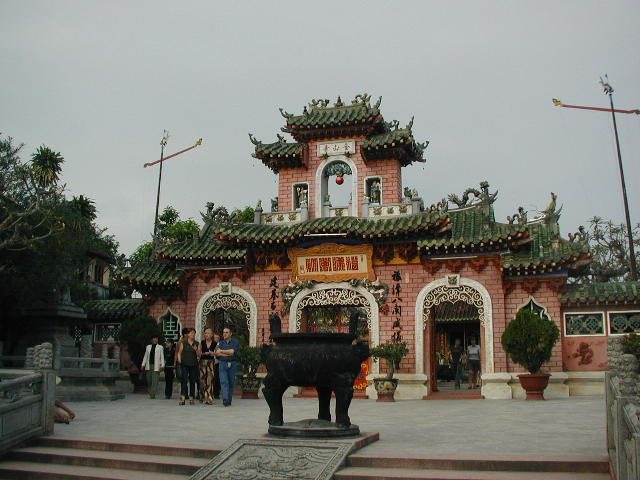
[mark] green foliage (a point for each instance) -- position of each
(46, 166)
(250, 358)
(142, 254)
(392, 352)
(137, 333)
(609, 247)
(631, 344)
(246, 215)
(529, 340)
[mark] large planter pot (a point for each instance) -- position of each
(534, 384)
(250, 386)
(386, 389)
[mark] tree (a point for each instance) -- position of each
(27, 192)
(609, 251)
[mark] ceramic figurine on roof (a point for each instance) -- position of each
(318, 263)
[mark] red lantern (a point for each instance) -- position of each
(340, 180)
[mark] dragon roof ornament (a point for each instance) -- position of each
(482, 196)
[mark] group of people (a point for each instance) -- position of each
(469, 357)
(206, 369)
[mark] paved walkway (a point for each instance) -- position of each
(568, 427)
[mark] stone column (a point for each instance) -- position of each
(304, 213)
(257, 215)
(614, 351)
(628, 368)
(365, 207)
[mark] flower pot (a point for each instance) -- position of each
(250, 386)
(385, 388)
(534, 384)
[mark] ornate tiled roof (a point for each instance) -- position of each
(473, 228)
(602, 293)
(353, 227)
(359, 117)
(547, 252)
(280, 154)
(205, 249)
(397, 143)
(154, 274)
(119, 309)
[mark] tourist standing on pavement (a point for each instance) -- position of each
(207, 364)
(216, 370)
(227, 353)
(169, 367)
(187, 355)
(457, 352)
(473, 351)
(153, 363)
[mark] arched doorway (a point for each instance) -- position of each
(228, 305)
(328, 168)
(451, 289)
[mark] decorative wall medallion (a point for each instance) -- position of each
(225, 288)
(453, 280)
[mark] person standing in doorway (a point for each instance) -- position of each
(169, 367)
(473, 351)
(216, 370)
(207, 363)
(227, 354)
(187, 355)
(153, 364)
(457, 352)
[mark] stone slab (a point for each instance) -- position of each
(313, 428)
(266, 459)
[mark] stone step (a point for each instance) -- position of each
(111, 446)
(521, 463)
(110, 460)
(41, 471)
(364, 473)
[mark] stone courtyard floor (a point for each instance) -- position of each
(440, 428)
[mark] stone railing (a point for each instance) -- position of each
(409, 206)
(280, 218)
(622, 395)
(27, 401)
(339, 211)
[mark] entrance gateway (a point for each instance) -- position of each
(407, 264)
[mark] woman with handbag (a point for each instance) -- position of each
(187, 356)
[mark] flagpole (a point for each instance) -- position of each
(608, 90)
(163, 142)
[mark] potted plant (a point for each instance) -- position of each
(529, 340)
(250, 358)
(393, 353)
(136, 334)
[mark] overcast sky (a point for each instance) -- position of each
(99, 81)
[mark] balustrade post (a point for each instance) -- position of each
(48, 400)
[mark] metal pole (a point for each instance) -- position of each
(163, 142)
(632, 255)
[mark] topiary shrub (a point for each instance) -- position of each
(393, 353)
(631, 344)
(529, 340)
(137, 333)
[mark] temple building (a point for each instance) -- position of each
(344, 239)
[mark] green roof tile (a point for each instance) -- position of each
(399, 142)
(280, 154)
(205, 249)
(153, 274)
(612, 293)
(352, 226)
(119, 309)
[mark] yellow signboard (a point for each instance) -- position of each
(331, 262)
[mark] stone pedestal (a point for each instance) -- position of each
(411, 386)
(495, 386)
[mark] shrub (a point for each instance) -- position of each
(393, 353)
(137, 333)
(250, 358)
(529, 340)
(631, 344)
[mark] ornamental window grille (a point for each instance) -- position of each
(170, 326)
(106, 332)
(621, 323)
(334, 297)
(584, 323)
(537, 309)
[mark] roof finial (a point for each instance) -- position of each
(254, 140)
(377, 105)
(281, 139)
(339, 102)
(285, 114)
(410, 124)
